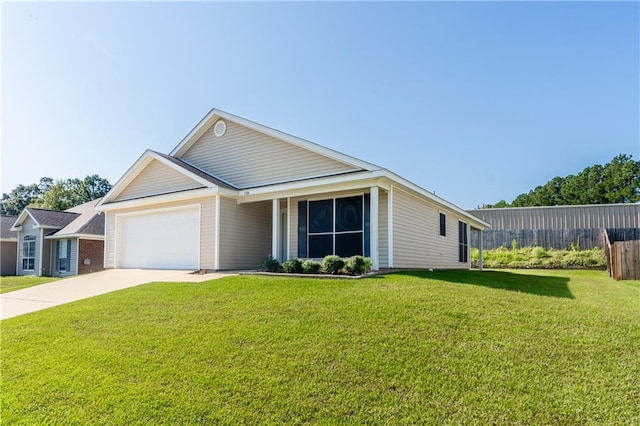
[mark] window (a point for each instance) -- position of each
(463, 246)
(64, 255)
(28, 252)
(335, 226)
(443, 225)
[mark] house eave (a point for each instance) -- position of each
(474, 221)
(78, 236)
(310, 187)
(163, 198)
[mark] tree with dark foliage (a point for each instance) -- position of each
(616, 182)
(61, 195)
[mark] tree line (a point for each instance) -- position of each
(616, 182)
(59, 195)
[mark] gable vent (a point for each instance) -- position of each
(219, 128)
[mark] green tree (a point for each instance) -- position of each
(616, 182)
(23, 195)
(61, 195)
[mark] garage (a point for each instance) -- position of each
(159, 239)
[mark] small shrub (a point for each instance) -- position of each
(311, 267)
(270, 264)
(358, 265)
(332, 264)
(292, 266)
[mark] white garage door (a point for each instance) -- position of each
(168, 239)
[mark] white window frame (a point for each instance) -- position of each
(27, 241)
(333, 232)
(66, 255)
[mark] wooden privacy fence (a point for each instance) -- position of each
(623, 258)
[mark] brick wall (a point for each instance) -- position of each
(94, 251)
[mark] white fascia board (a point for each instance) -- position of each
(305, 187)
(477, 222)
(211, 117)
(139, 166)
(17, 225)
(78, 236)
(157, 199)
(8, 240)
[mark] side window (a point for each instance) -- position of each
(443, 225)
(463, 244)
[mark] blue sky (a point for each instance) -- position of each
(477, 101)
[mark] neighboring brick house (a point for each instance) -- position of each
(60, 243)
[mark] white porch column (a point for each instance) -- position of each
(275, 235)
(480, 250)
(288, 229)
(40, 264)
(390, 226)
(373, 227)
(216, 257)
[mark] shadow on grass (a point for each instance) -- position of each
(524, 283)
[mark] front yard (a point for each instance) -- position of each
(468, 347)
(12, 283)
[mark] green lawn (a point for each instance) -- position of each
(530, 347)
(8, 284)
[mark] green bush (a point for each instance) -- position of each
(292, 266)
(332, 264)
(311, 266)
(270, 264)
(358, 265)
(539, 257)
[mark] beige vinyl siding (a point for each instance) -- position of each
(157, 178)
(383, 230)
(208, 233)
(207, 229)
(28, 229)
(247, 158)
(416, 235)
(245, 233)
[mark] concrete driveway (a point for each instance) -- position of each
(81, 287)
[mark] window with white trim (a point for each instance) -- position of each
(335, 226)
(28, 252)
(64, 255)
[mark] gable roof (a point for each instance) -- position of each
(47, 218)
(83, 219)
(359, 171)
(205, 179)
(6, 222)
(215, 114)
